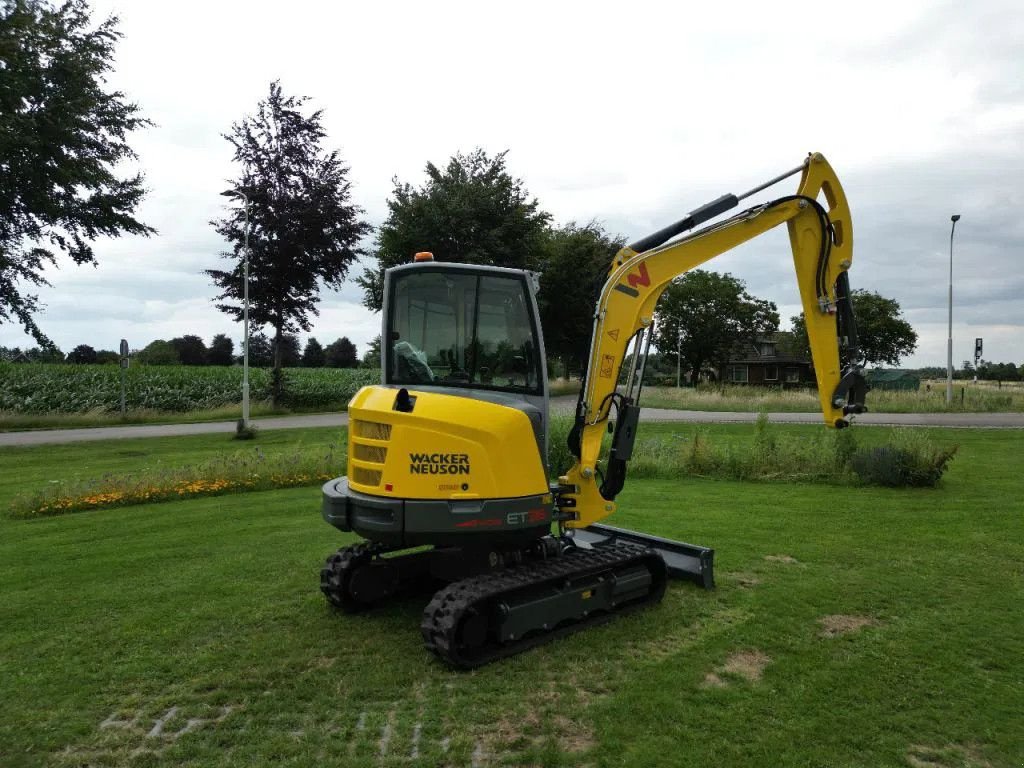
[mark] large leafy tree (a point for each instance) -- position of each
(290, 350)
(706, 315)
(313, 354)
(371, 358)
(883, 334)
(62, 134)
(341, 353)
(221, 351)
(191, 350)
(83, 353)
(261, 352)
(472, 211)
(574, 262)
(159, 352)
(304, 228)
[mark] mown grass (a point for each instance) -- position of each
(243, 471)
(117, 616)
(975, 399)
(11, 421)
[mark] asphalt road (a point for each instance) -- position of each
(50, 436)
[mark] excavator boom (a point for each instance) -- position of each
(821, 237)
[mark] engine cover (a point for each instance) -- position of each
(441, 446)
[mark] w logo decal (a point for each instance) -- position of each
(640, 277)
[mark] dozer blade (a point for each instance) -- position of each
(684, 561)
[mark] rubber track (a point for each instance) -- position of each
(334, 576)
(442, 617)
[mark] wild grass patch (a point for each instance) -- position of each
(909, 458)
(249, 470)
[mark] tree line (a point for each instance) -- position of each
(293, 206)
(191, 350)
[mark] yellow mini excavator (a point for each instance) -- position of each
(447, 457)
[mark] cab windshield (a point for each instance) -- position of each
(461, 329)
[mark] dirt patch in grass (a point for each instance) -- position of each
(573, 738)
(746, 580)
(745, 665)
(787, 559)
(843, 624)
(951, 756)
(523, 730)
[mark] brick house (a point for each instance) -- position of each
(770, 362)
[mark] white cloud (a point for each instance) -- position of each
(630, 115)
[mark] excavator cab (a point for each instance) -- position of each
(468, 331)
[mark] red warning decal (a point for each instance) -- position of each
(642, 278)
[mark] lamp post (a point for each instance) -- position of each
(949, 341)
(245, 310)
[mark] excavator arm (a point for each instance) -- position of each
(821, 237)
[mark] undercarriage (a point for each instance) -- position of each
(551, 590)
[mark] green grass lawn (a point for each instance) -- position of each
(19, 422)
(193, 633)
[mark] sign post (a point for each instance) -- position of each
(977, 358)
(124, 366)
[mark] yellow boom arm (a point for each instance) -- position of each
(822, 242)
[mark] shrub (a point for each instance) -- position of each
(909, 461)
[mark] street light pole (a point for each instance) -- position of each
(949, 341)
(245, 310)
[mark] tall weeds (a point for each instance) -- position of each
(909, 458)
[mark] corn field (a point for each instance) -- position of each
(39, 388)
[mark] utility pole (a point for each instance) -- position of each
(949, 341)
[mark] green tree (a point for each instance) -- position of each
(313, 354)
(304, 229)
(574, 262)
(472, 211)
(261, 352)
(221, 351)
(191, 350)
(341, 354)
(290, 353)
(33, 355)
(706, 315)
(158, 352)
(107, 357)
(83, 353)
(883, 335)
(371, 358)
(62, 134)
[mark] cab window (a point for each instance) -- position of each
(461, 329)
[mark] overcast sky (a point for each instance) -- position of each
(627, 113)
